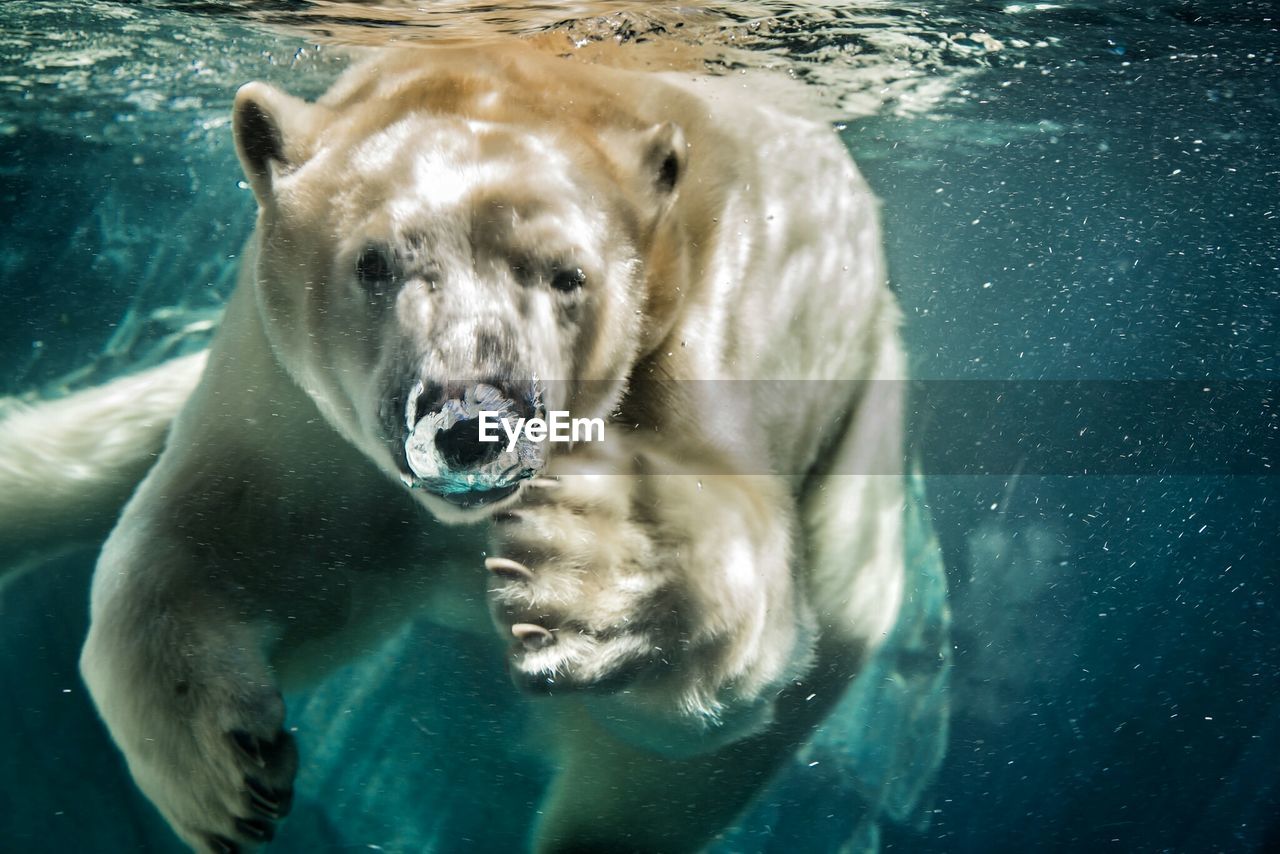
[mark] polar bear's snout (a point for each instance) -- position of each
(462, 442)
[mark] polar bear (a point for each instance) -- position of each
(458, 226)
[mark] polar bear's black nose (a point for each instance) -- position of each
(460, 446)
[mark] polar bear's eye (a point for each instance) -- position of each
(568, 279)
(374, 268)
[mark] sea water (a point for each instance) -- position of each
(1082, 211)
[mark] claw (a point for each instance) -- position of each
(508, 568)
(221, 845)
(256, 829)
(265, 801)
(249, 746)
(532, 635)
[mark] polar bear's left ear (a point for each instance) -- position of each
(663, 156)
(272, 131)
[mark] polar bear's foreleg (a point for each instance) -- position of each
(178, 670)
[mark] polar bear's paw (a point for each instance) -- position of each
(226, 777)
(202, 728)
(227, 791)
(576, 589)
(267, 794)
(671, 596)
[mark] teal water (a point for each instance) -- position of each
(1071, 191)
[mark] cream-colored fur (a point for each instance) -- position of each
(714, 573)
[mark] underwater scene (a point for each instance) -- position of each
(1079, 208)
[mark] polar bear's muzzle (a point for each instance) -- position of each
(461, 443)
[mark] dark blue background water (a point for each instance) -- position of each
(1103, 206)
(1111, 214)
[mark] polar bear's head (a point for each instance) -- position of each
(433, 244)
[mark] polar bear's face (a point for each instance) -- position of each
(415, 269)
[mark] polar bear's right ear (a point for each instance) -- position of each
(272, 129)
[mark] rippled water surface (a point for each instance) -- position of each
(1071, 191)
